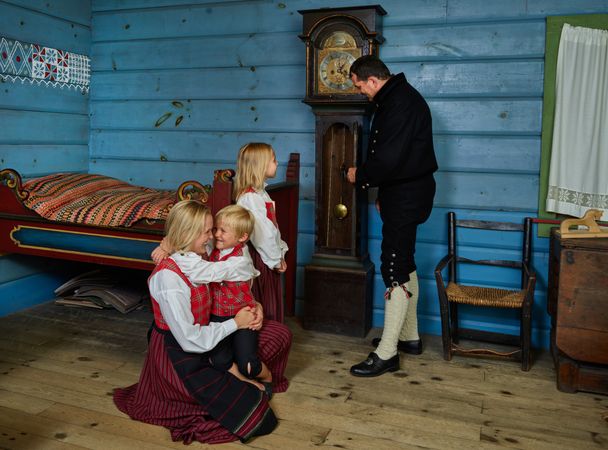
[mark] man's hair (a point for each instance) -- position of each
(369, 66)
(185, 224)
(237, 218)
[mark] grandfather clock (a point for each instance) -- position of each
(339, 279)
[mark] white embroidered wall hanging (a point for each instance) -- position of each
(31, 63)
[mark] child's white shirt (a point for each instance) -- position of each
(266, 237)
(200, 271)
(173, 297)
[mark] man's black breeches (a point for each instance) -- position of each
(403, 207)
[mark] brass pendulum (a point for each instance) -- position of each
(341, 210)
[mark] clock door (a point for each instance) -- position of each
(337, 196)
(337, 201)
(341, 213)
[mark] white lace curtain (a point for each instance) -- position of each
(578, 176)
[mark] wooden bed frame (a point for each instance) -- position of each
(25, 232)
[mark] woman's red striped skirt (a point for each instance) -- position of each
(195, 402)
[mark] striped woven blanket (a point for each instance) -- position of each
(95, 200)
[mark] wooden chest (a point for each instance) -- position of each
(578, 304)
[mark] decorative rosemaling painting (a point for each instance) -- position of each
(35, 64)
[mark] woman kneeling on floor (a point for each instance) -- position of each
(178, 386)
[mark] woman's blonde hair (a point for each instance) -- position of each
(237, 218)
(185, 224)
(251, 167)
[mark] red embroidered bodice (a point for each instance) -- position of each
(200, 297)
(229, 296)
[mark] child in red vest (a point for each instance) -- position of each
(256, 163)
(233, 226)
(236, 354)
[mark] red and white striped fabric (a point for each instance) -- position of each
(161, 398)
(95, 200)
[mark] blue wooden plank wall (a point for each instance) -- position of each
(234, 71)
(237, 69)
(42, 129)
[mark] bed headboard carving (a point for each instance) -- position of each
(224, 175)
(12, 179)
(193, 190)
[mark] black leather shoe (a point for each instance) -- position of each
(411, 347)
(374, 366)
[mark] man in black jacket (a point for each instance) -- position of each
(400, 162)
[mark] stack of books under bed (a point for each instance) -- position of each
(102, 289)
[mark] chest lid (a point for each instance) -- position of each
(596, 244)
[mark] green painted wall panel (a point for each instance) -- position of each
(554, 31)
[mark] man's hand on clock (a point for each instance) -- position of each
(351, 175)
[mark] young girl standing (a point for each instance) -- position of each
(256, 163)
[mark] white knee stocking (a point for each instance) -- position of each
(395, 310)
(409, 331)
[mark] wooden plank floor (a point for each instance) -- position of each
(58, 367)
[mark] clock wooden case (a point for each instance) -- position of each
(339, 279)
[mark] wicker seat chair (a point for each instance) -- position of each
(455, 294)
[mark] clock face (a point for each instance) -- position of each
(333, 72)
